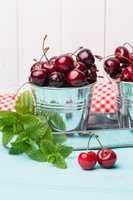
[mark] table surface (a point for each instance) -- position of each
(22, 178)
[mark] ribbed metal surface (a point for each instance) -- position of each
(126, 104)
(71, 104)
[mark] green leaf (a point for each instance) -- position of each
(51, 158)
(58, 160)
(33, 126)
(54, 119)
(25, 103)
(33, 136)
(47, 147)
(59, 137)
(18, 148)
(65, 151)
(7, 135)
(37, 155)
(8, 118)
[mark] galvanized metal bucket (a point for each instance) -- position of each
(70, 104)
(126, 104)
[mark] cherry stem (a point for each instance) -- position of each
(121, 57)
(73, 54)
(97, 138)
(100, 76)
(98, 57)
(88, 146)
(35, 60)
(129, 44)
(107, 57)
(43, 49)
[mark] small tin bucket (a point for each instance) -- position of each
(126, 104)
(70, 104)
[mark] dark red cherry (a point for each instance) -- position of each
(93, 68)
(127, 74)
(112, 66)
(76, 78)
(85, 56)
(124, 65)
(81, 67)
(91, 76)
(53, 59)
(64, 63)
(106, 158)
(131, 57)
(49, 66)
(56, 79)
(37, 65)
(38, 77)
(122, 54)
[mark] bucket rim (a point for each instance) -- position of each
(62, 88)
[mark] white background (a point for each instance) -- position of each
(100, 25)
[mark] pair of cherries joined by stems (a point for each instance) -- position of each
(105, 157)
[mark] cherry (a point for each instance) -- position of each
(122, 54)
(53, 59)
(76, 78)
(87, 160)
(37, 65)
(85, 56)
(49, 66)
(64, 63)
(124, 65)
(106, 158)
(112, 66)
(93, 68)
(81, 67)
(56, 79)
(131, 57)
(127, 74)
(92, 75)
(38, 77)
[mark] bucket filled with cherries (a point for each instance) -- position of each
(120, 68)
(63, 85)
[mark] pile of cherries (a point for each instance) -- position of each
(120, 65)
(105, 157)
(67, 70)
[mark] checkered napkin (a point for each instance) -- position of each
(104, 99)
(7, 102)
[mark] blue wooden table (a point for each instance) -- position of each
(24, 179)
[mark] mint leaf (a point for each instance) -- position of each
(37, 155)
(65, 151)
(7, 135)
(58, 160)
(33, 126)
(33, 135)
(18, 148)
(54, 119)
(47, 147)
(59, 137)
(25, 103)
(8, 118)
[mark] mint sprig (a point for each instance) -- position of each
(25, 132)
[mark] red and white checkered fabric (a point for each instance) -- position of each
(104, 99)
(7, 102)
